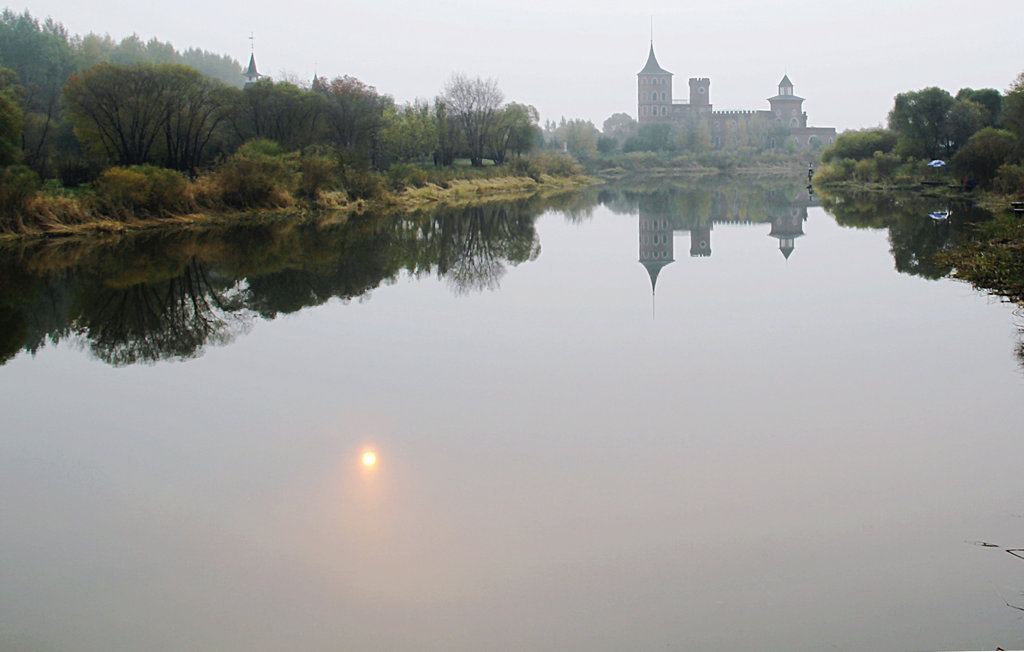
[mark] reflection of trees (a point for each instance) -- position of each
(470, 247)
(145, 322)
(320, 265)
(168, 295)
(915, 238)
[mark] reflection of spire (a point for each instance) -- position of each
(655, 244)
(787, 228)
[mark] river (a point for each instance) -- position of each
(663, 417)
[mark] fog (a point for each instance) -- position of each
(579, 59)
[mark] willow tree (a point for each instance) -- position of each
(162, 114)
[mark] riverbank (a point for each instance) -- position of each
(451, 194)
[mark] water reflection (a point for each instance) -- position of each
(668, 211)
(153, 297)
(915, 235)
(162, 296)
(553, 470)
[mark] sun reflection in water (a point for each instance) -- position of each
(369, 459)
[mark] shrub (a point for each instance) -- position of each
(886, 164)
(257, 175)
(859, 145)
(361, 183)
(141, 189)
(18, 184)
(402, 175)
(982, 156)
(557, 164)
(120, 190)
(1010, 179)
(318, 174)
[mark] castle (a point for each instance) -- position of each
(655, 105)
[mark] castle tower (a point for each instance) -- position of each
(654, 92)
(700, 94)
(787, 107)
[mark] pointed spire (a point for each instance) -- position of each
(652, 66)
(251, 74)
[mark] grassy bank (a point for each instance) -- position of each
(127, 199)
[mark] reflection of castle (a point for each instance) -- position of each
(658, 223)
(725, 128)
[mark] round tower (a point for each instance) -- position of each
(654, 92)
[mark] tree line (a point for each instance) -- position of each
(73, 108)
(977, 133)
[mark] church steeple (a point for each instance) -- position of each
(251, 74)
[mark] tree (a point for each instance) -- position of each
(979, 159)
(160, 114)
(620, 127)
(693, 134)
(475, 105)
(517, 131)
(578, 137)
(859, 145)
(354, 114)
(277, 111)
(919, 120)
(989, 98)
(965, 118)
(1013, 112)
(409, 132)
(449, 136)
(198, 108)
(650, 138)
(40, 55)
(10, 118)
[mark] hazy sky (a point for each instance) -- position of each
(579, 58)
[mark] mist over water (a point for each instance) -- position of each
(693, 417)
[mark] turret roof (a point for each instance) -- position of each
(785, 81)
(795, 98)
(652, 66)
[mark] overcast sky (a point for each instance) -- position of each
(579, 59)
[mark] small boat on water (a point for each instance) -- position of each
(940, 215)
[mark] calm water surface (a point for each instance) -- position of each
(771, 452)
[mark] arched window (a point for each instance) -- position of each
(664, 111)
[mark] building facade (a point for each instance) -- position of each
(783, 118)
